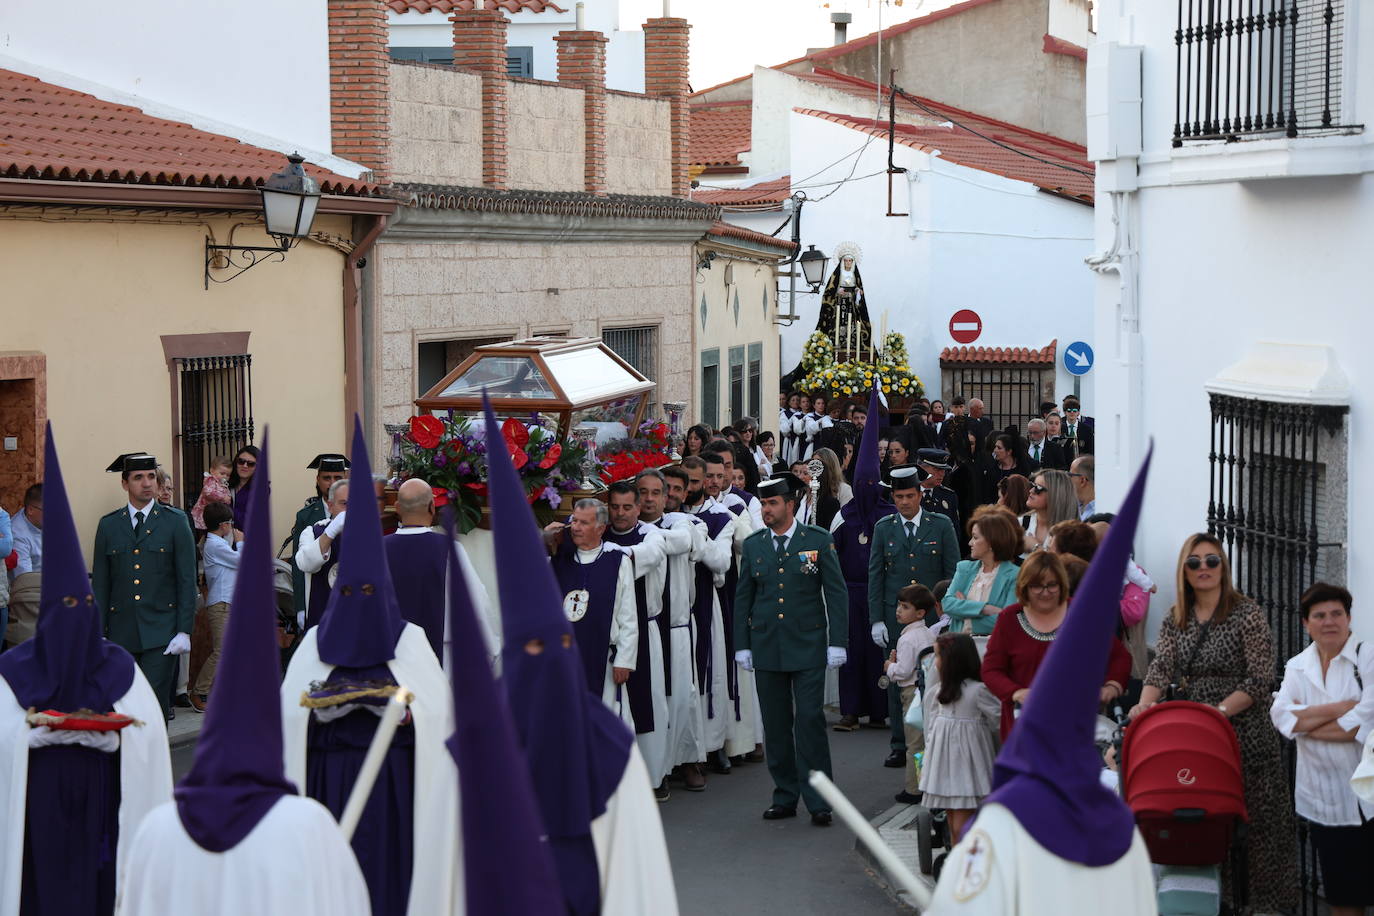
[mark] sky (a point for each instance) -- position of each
(730, 37)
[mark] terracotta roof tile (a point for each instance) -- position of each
(1047, 162)
(767, 193)
(1054, 45)
(749, 235)
(448, 6)
(719, 132)
(999, 356)
(50, 132)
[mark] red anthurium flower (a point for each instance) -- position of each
(440, 496)
(479, 488)
(514, 432)
(517, 455)
(552, 457)
(426, 431)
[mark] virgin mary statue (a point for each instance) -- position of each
(844, 307)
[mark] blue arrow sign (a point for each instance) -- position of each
(1078, 358)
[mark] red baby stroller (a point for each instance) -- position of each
(1181, 775)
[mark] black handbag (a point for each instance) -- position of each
(1178, 684)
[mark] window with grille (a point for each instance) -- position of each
(638, 347)
(755, 380)
(215, 416)
(1258, 67)
(710, 388)
(1009, 395)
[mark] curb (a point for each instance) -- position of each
(895, 818)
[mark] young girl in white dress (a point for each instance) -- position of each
(961, 733)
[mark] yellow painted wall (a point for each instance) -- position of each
(754, 284)
(95, 297)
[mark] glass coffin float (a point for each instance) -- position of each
(579, 381)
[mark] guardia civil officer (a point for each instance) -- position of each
(144, 576)
(791, 622)
(914, 546)
(935, 496)
(328, 467)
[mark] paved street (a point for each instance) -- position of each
(727, 859)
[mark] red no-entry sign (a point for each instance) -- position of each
(965, 326)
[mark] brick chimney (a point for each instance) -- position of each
(665, 75)
(359, 79)
(582, 63)
(479, 44)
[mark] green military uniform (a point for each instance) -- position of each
(313, 511)
(789, 607)
(145, 583)
(896, 561)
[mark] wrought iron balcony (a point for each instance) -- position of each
(1249, 68)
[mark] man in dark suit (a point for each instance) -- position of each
(144, 576)
(1040, 451)
(791, 623)
(979, 423)
(1078, 430)
(911, 547)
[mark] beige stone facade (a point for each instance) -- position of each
(446, 291)
(638, 145)
(436, 125)
(545, 142)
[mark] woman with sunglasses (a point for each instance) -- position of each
(1024, 631)
(1215, 647)
(240, 479)
(1051, 500)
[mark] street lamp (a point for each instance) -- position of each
(813, 266)
(289, 200)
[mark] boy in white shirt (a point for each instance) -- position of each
(913, 604)
(220, 556)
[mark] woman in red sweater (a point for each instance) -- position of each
(1024, 631)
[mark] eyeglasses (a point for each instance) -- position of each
(1039, 489)
(1212, 560)
(245, 463)
(1084, 476)
(1043, 587)
(1071, 410)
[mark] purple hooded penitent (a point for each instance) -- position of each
(575, 748)
(238, 773)
(503, 835)
(68, 665)
(1047, 772)
(864, 510)
(362, 621)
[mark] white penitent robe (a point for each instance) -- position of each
(624, 631)
(745, 730)
(682, 536)
(717, 709)
(436, 885)
(649, 563)
(998, 869)
(295, 861)
(631, 854)
(145, 778)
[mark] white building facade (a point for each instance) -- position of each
(1233, 219)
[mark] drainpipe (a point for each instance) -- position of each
(353, 321)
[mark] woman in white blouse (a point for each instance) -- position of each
(1326, 704)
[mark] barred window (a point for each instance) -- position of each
(638, 347)
(1009, 395)
(1277, 501)
(710, 387)
(215, 415)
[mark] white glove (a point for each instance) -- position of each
(300, 621)
(880, 635)
(180, 645)
(835, 656)
(335, 525)
(745, 659)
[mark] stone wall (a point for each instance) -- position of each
(436, 125)
(454, 290)
(545, 141)
(638, 145)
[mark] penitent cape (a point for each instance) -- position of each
(238, 839)
(77, 840)
(362, 634)
(1051, 840)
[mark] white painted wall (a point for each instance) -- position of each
(973, 240)
(259, 65)
(1224, 264)
(624, 53)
